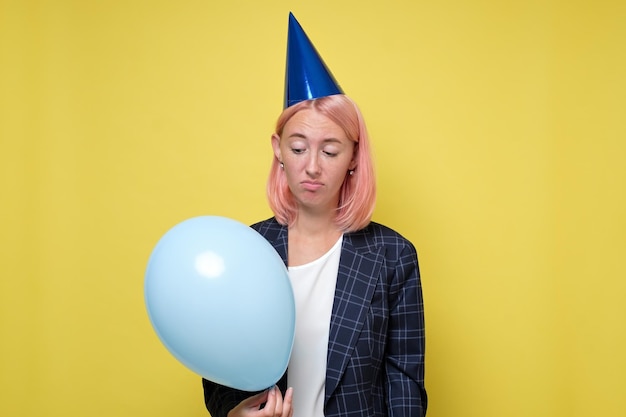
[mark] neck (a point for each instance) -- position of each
(315, 224)
(310, 237)
(317, 219)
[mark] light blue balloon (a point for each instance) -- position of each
(219, 298)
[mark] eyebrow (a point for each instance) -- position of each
(302, 136)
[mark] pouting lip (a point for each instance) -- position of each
(311, 185)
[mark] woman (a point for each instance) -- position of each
(359, 341)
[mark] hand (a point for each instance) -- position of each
(275, 405)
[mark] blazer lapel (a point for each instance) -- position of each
(359, 268)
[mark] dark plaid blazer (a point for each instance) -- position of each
(375, 364)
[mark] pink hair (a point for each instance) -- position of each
(357, 195)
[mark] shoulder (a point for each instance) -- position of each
(376, 235)
(268, 227)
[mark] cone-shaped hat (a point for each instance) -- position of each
(306, 76)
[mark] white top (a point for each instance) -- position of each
(314, 289)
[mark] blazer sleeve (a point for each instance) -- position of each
(404, 365)
(219, 400)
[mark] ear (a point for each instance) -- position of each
(276, 147)
(353, 161)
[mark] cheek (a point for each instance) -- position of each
(292, 168)
(338, 176)
(291, 164)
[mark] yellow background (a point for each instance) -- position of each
(499, 133)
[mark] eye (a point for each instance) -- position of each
(330, 151)
(297, 151)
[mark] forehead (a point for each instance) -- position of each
(311, 124)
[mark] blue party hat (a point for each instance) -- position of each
(306, 76)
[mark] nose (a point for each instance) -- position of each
(313, 166)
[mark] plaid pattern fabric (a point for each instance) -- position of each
(376, 344)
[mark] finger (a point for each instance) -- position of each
(278, 408)
(270, 405)
(288, 403)
(256, 400)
